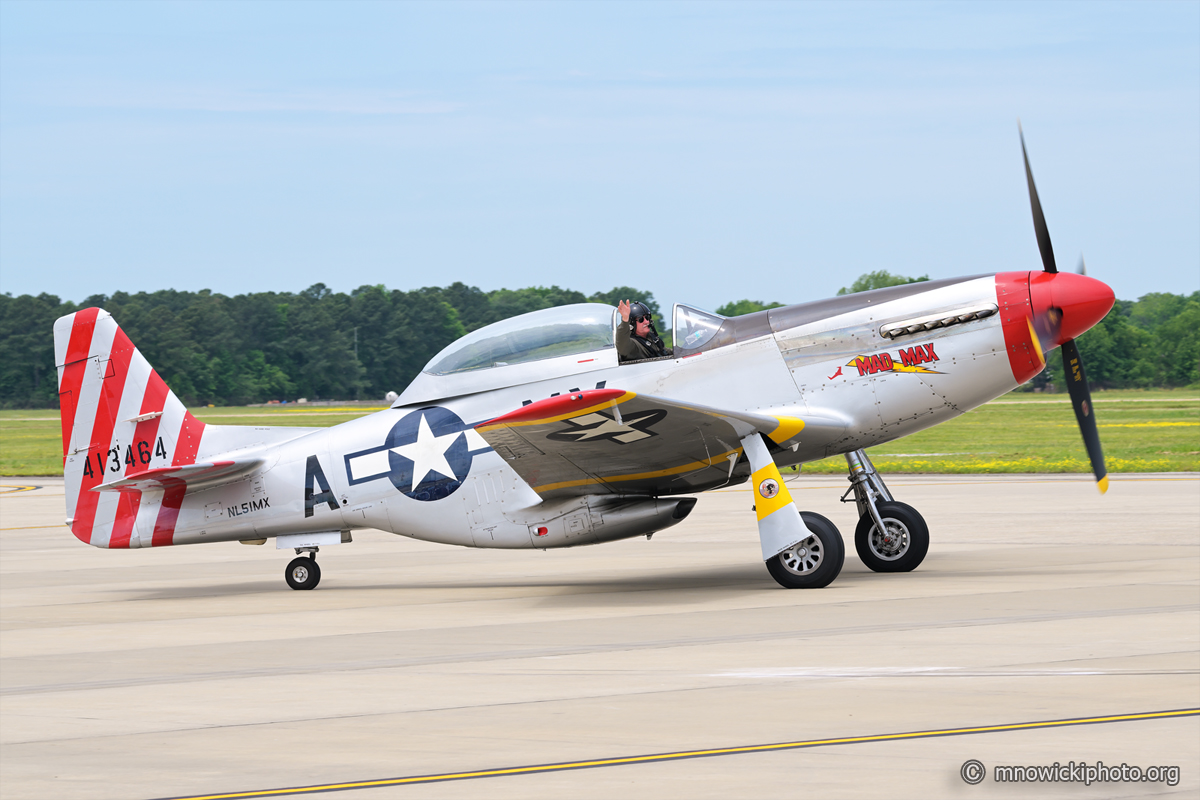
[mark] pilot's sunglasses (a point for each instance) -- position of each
(646, 318)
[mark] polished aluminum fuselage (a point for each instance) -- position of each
(823, 363)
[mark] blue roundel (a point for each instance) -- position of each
(429, 454)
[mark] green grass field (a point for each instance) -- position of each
(1142, 431)
(1147, 431)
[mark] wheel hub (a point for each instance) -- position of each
(804, 557)
(300, 574)
(892, 543)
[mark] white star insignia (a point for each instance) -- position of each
(602, 426)
(428, 453)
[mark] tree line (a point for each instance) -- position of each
(320, 344)
(1146, 343)
(250, 348)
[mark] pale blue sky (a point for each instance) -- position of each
(706, 152)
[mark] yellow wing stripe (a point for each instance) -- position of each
(638, 476)
(787, 430)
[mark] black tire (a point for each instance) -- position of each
(906, 545)
(303, 573)
(810, 564)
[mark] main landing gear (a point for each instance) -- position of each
(891, 536)
(303, 572)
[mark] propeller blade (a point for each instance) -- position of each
(1039, 219)
(1081, 399)
(1082, 268)
(1047, 330)
(1041, 341)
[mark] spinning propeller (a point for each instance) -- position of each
(1064, 306)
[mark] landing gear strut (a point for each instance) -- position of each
(802, 550)
(891, 536)
(303, 572)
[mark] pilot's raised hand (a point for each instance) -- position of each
(623, 307)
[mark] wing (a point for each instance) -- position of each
(612, 441)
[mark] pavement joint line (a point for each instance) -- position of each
(741, 682)
(680, 755)
(517, 654)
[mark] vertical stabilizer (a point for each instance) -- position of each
(118, 419)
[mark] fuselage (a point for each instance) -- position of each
(859, 370)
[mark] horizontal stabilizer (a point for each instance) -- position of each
(204, 474)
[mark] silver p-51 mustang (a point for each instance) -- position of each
(529, 433)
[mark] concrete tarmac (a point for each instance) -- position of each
(195, 670)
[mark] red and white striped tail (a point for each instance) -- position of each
(118, 419)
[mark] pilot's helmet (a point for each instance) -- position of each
(637, 310)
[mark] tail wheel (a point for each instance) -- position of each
(814, 562)
(901, 547)
(303, 573)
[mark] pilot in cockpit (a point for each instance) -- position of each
(636, 336)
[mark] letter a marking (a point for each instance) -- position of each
(313, 472)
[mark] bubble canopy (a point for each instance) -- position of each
(536, 336)
(543, 345)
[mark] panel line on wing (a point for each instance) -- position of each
(693, 466)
